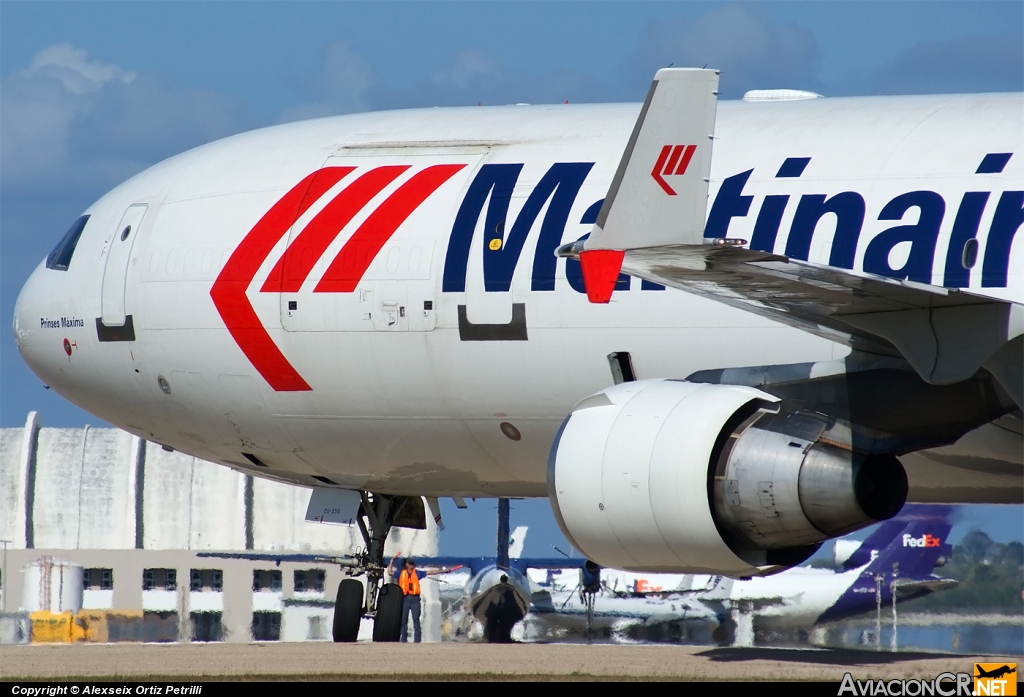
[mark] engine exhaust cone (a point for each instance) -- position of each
(880, 485)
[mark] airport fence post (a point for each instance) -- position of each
(5, 581)
(895, 575)
(878, 612)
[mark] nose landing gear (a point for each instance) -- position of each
(348, 610)
(376, 600)
(381, 601)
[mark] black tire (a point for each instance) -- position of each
(387, 625)
(498, 631)
(348, 610)
(725, 632)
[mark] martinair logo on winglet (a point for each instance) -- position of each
(672, 161)
(925, 540)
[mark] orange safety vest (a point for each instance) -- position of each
(409, 583)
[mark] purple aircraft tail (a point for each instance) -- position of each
(914, 519)
(901, 553)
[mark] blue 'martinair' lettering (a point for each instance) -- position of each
(766, 229)
(922, 237)
(1007, 220)
(560, 184)
(928, 208)
(965, 228)
(848, 207)
(729, 203)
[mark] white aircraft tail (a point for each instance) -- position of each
(516, 541)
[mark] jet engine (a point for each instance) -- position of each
(671, 476)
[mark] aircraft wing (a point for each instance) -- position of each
(343, 560)
(476, 564)
(552, 563)
(471, 564)
(931, 585)
(877, 314)
(652, 225)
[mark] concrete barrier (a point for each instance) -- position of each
(15, 628)
(100, 627)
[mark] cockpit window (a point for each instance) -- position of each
(60, 257)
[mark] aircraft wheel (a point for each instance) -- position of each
(725, 633)
(387, 625)
(348, 610)
(498, 631)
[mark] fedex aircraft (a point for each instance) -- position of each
(898, 557)
(713, 335)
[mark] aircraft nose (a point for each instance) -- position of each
(27, 307)
(45, 325)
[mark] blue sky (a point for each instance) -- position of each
(93, 92)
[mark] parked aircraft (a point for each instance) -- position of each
(494, 591)
(373, 305)
(899, 556)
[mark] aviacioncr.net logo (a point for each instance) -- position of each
(944, 685)
(995, 678)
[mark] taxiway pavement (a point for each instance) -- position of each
(461, 661)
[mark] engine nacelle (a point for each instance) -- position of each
(671, 476)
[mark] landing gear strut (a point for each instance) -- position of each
(381, 601)
(590, 586)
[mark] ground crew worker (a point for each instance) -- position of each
(409, 582)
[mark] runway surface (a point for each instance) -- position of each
(460, 661)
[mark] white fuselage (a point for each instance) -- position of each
(351, 366)
(794, 598)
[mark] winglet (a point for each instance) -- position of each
(665, 205)
(600, 272)
(674, 133)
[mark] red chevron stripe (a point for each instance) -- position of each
(301, 255)
(351, 263)
(229, 290)
(673, 159)
(656, 172)
(685, 162)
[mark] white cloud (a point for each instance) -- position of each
(74, 70)
(68, 123)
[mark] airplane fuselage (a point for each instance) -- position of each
(373, 301)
